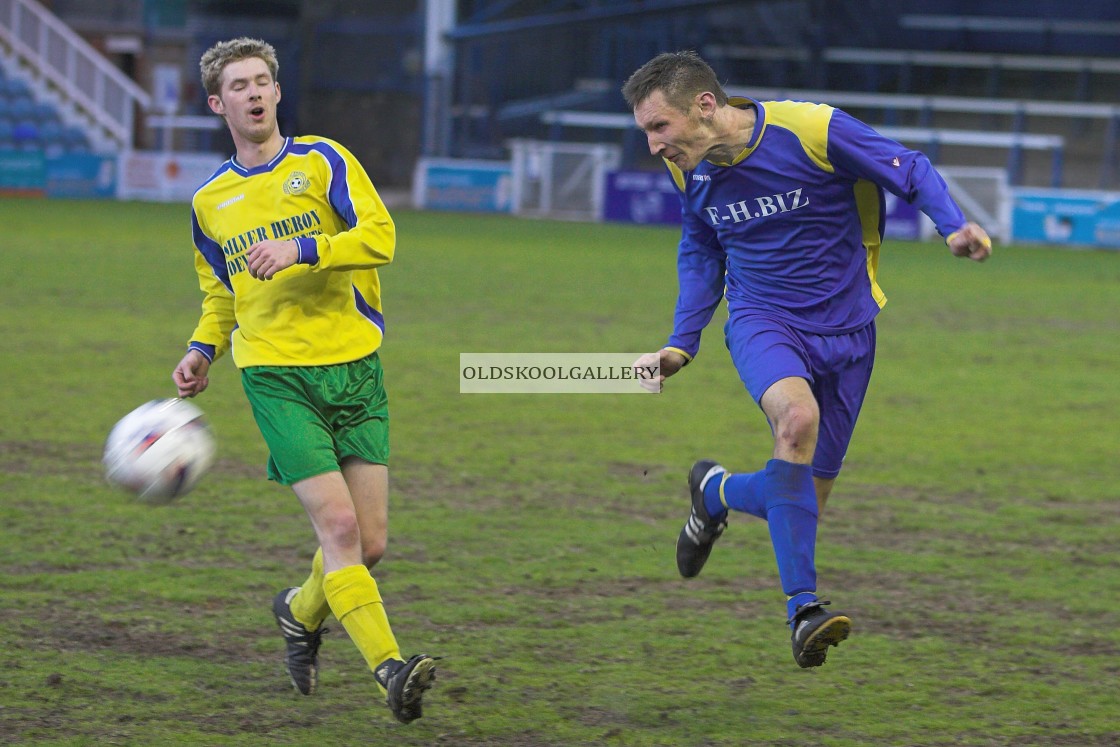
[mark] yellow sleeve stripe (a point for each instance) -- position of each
(687, 357)
(949, 239)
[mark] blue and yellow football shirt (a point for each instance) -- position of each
(325, 309)
(792, 227)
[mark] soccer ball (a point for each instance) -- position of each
(159, 450)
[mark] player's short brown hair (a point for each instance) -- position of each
(680, 76)
(215, 59)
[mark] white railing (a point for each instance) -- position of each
(980, 138)
(1013, 25)
(1011, 141)
(918, 58)
(81, 76)
(1018, 109)
(960, 104)
(1030, 63)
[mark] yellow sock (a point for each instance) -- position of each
(309, 605)
(353, 596)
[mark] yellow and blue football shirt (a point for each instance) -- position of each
(325, 309)
(792, 227)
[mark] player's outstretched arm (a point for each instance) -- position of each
(190, 376)
(970, 240)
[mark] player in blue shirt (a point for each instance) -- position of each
(782, 211)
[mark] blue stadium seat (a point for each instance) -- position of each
(52, 133)
(17, 87)
(24, 132)
(21, 107)
(76, 139)
(6, 129)
(44, 112)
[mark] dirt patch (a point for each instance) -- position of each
(83, 460)
(26, 457)
(59, 627)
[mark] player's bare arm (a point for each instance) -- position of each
(266, 258)
(970, 241)
(190, 376)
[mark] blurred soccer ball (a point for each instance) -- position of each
(159, 450)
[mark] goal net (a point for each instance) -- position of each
(561, 180)
(984, 195)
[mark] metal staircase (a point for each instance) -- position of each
(61, 66)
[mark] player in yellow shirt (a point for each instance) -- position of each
(288, 235)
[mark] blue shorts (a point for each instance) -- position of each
(837, 367)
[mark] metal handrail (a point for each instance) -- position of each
(79, 72)
(1014, 142)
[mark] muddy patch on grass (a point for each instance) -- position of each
(64, 628)
(84, 460)
(32, 457)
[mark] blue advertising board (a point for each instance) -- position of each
(71, 175)
(903, 220)
(22, 172)
(463, 184)
(1066, 217)
(641, 197)
(81, 175)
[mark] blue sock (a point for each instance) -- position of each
(791, 512)
(744, 492)
(785, 496)
(796, 601)
(712, 501)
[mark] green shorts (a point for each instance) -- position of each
(312, 417)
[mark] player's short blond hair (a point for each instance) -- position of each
(215, 59)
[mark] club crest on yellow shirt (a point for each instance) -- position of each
(297, 183)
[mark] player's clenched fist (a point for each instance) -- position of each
(668, 362)
(970, 241)
(266, 258)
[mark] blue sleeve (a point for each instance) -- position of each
(701, 267)
(207, 350)
(856, 150)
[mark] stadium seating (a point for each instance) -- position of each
(52, 133)
(28, 124)
(1039, 76)
(25, 135)
(44, 112)
(1085, 33)
(6, 129)
(21, 107)
(75, 140)
(15, 87)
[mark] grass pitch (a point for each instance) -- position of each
(971, 537)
